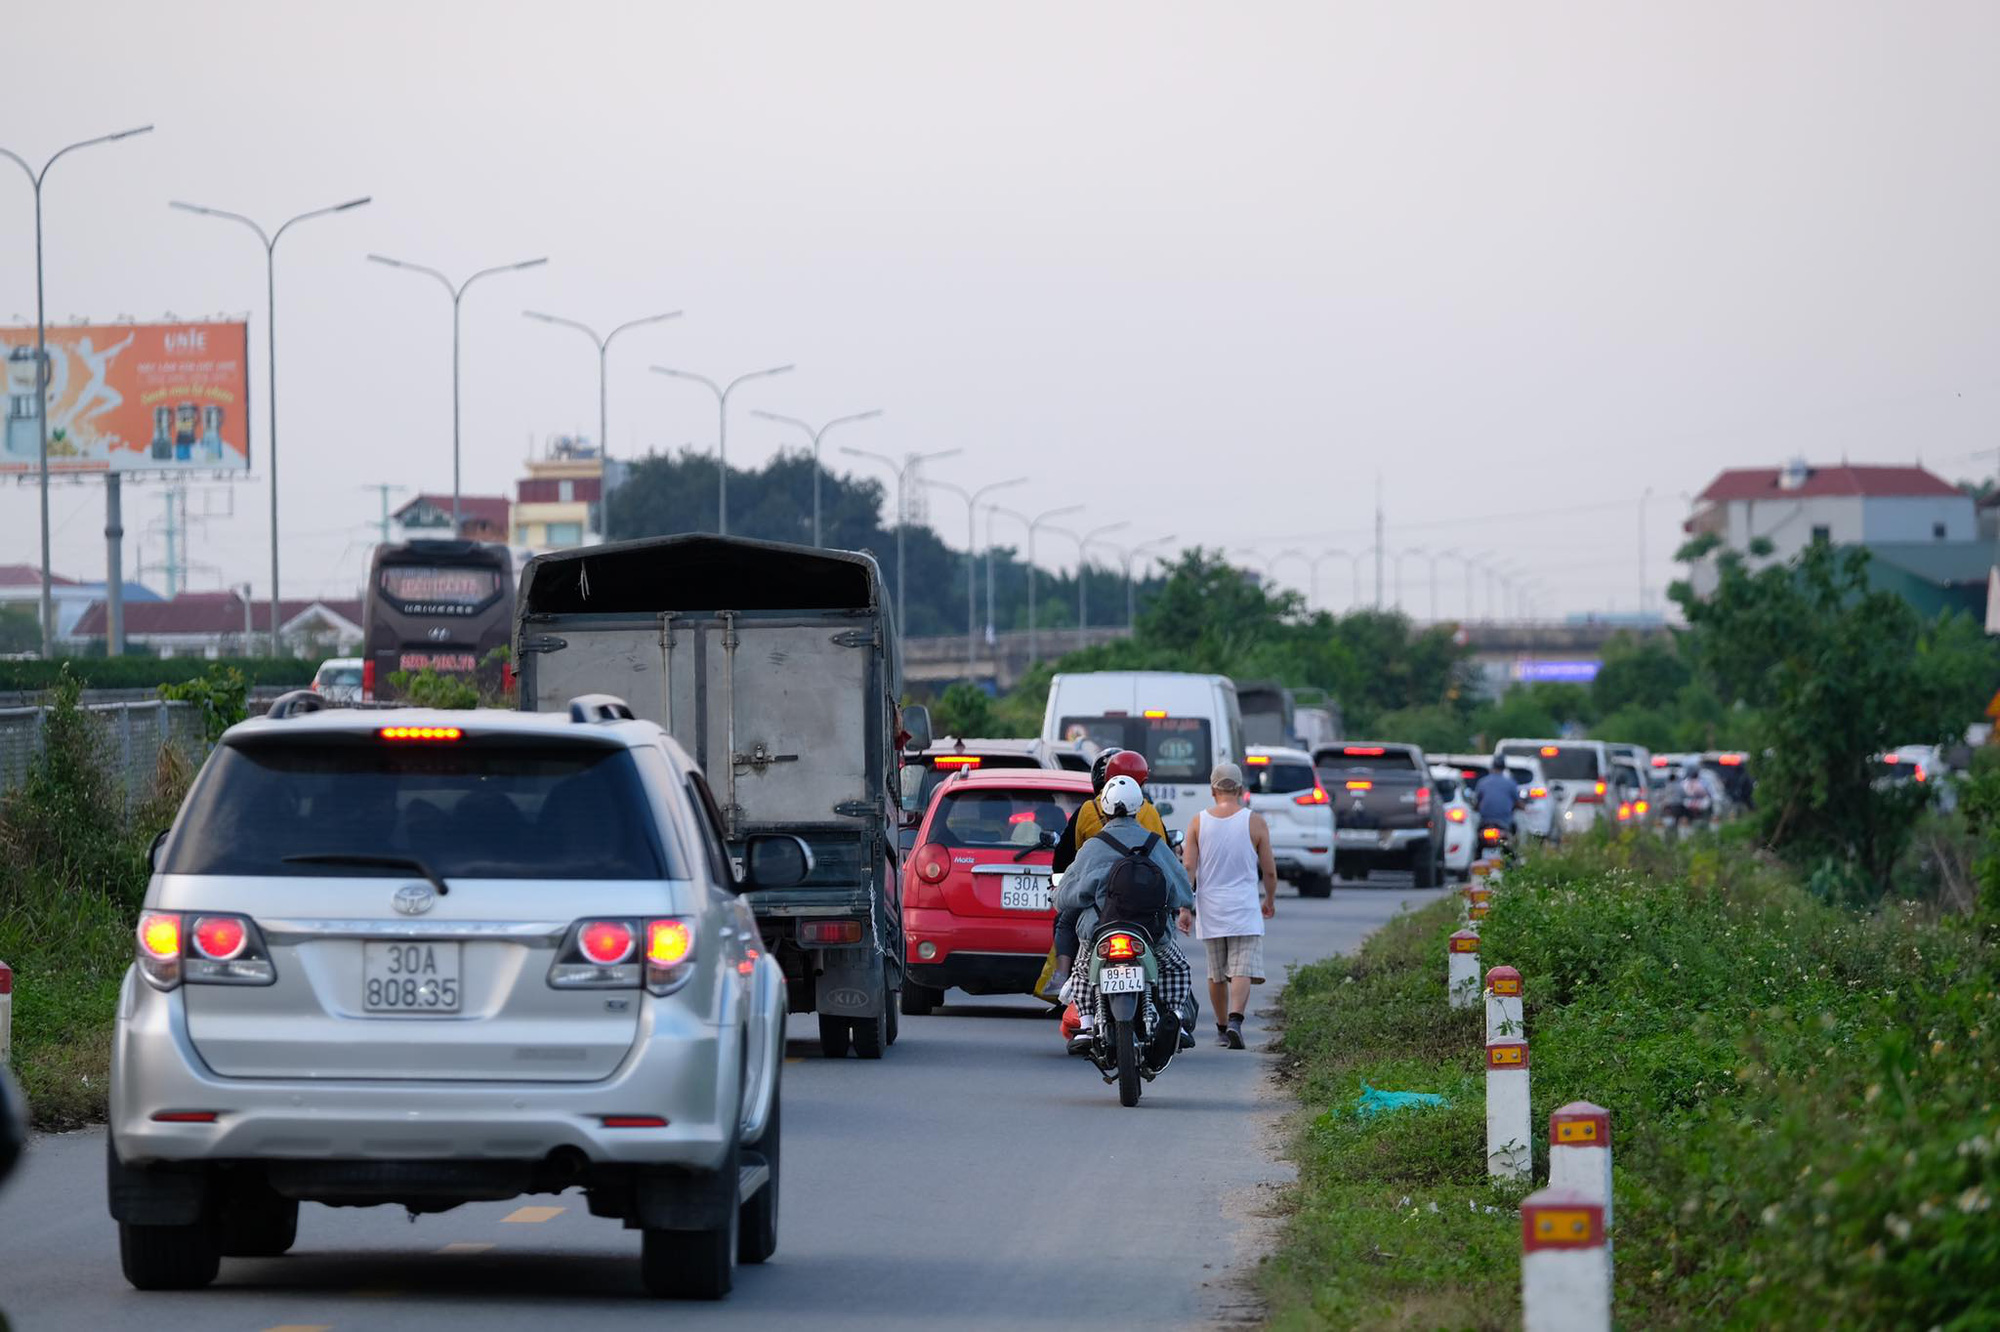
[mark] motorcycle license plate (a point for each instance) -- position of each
(1121, 980)
(1026, 892)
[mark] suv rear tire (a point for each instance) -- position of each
(694, 1264)
(1315, 885)
(169, 1257)
(757, 1222)
(256, 1223)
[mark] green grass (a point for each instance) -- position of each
(1802, 1102)
(68, 952)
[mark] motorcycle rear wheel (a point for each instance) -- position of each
(1128, 1065)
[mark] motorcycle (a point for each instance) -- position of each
(1496, 839)
(1126, 1027)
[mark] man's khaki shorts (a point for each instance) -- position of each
(1236, 955)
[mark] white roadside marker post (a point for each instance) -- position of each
(1503, 1004)
(1580, 1156)
(1565, 1271)
(1510, 1152)
(6, 1012)
(1461, 973)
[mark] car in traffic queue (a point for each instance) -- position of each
(1632, 805)
(1282, 786)
(1461, 820)
(1182, 723)
(1386, 814)
(1923, 765)
(979, 890)
(1535, 817)
(338, 679)
(1579, 778)
(1729, 771)
(420, 958)
(951, 755)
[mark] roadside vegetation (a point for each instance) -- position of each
(1802, 1097)
(139, 671)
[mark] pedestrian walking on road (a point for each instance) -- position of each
(1228, 854)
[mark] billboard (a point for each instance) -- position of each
(1565, 672)
(130, 398)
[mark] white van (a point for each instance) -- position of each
(1183, 724)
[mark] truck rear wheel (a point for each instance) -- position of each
(871, 1035)
(836, 1036)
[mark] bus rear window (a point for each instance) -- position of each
(1180, 751)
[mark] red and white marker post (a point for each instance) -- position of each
(1478, 900)
(1461, 972)
(1580, 1156)
(1565, 1268)
(1503, 1004)
(1510, 1152)
(6, 1012)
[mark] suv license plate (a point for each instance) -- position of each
(1121, 980)
(1026, 892)
(409, 977)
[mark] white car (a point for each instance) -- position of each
(1284, 788)
(1461, 821)
(415, 958)
(1537, 815)
(1923, 764)
(1579, 778)
(338, 680)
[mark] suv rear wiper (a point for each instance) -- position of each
(370, 861)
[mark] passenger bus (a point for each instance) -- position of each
(438, 605)
(1183, 724)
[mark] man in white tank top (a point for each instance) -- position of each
(1228, 854)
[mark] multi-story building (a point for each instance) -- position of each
(1888, 509)
(560, 502)
(480, 517)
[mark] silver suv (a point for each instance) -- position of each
(426, 958)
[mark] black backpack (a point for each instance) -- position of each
(1136, 890)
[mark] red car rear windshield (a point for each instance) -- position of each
(995, 820)
(938, 768)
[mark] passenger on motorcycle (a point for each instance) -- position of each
(1084, 891)
(1085, 824)
(1496, 797)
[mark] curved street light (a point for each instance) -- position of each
(817, 435)
(1082, 569)
(971, 498)
(902, 471)
(721, 392)
(457, 294)
(603, 345)
(1035, 524)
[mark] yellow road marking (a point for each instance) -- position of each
(529, 1215)
(469, 1247)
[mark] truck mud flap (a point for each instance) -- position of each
(850, 984)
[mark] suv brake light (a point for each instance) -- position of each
(420, 733)
(1316, 796)
(1423, 798)
(1360, 786)
(604, 955)
(201, 949)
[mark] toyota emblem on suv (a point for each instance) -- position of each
(413, 899)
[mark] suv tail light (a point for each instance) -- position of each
(1591, 795)
(1538, 792)
(1422, 796)
(1316, 796)
(604, 955)
(201, 949)
(1360, 786)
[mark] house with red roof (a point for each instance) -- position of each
(222, 624)
(21, 588)
(480, 517)
(1886, 508)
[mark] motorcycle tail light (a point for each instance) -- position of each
(1455, 815)
(1489, 834)
(1121, 948)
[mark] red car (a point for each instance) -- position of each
(978, 904)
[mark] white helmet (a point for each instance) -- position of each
(1121, 795)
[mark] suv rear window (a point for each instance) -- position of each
(1365, 758)
(1568, 763)
(479, 811)
(1178, 750)
(992, 819)
(1276, 778)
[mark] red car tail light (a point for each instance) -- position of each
(955, 761)
(598, 955)
(1423, 799)
(1538, 792)
(1641, 806)
(1550, 751)
(1363, 751)
(1316, 796)
(669, 955)
(830, 932)
(1258, 760)
(201, 950)
(933, 863)
(159, 957)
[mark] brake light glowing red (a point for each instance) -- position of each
(933, 863)
(668, 942)
(1731, 760)
(1537, 792)
(1360, 786)
(1659, 760)
(1550, 751)
(1364, 751)
(606, 942)
(184, 1116)
(1423, 797)
(1892, 758)
(1489, 834)
(1258, 760)
(1624, 811)
(1641, 806)
(1922, 776)
(1154, 714)
(830, 932)
(1121, 948)
(160, 933)
(1455, 815)
(1316, 796)
(1025, 816)
(420, 733)
(219, 937)
(956, 761)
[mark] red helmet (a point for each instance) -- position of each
(1127, 763)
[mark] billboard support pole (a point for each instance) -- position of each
(114, 565)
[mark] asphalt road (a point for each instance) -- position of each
(976, 1177)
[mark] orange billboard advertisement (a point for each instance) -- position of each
(130, 398)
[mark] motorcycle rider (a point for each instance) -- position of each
(1083, 892)
(1085, 824)
(1496, 797)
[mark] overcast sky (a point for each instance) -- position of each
(1207, 268)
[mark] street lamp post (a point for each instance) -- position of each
(1034, 525)
(457, 299)
(1354, 564)
(603, 345)
(1399, 557)
(902, 471)
(270, 241)
(817, 435)
(971, 498)
(1312, 570)
(113, 530)
(1083, 574)
(722, 392)
(1126, 556)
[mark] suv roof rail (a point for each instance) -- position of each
(600, 708)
